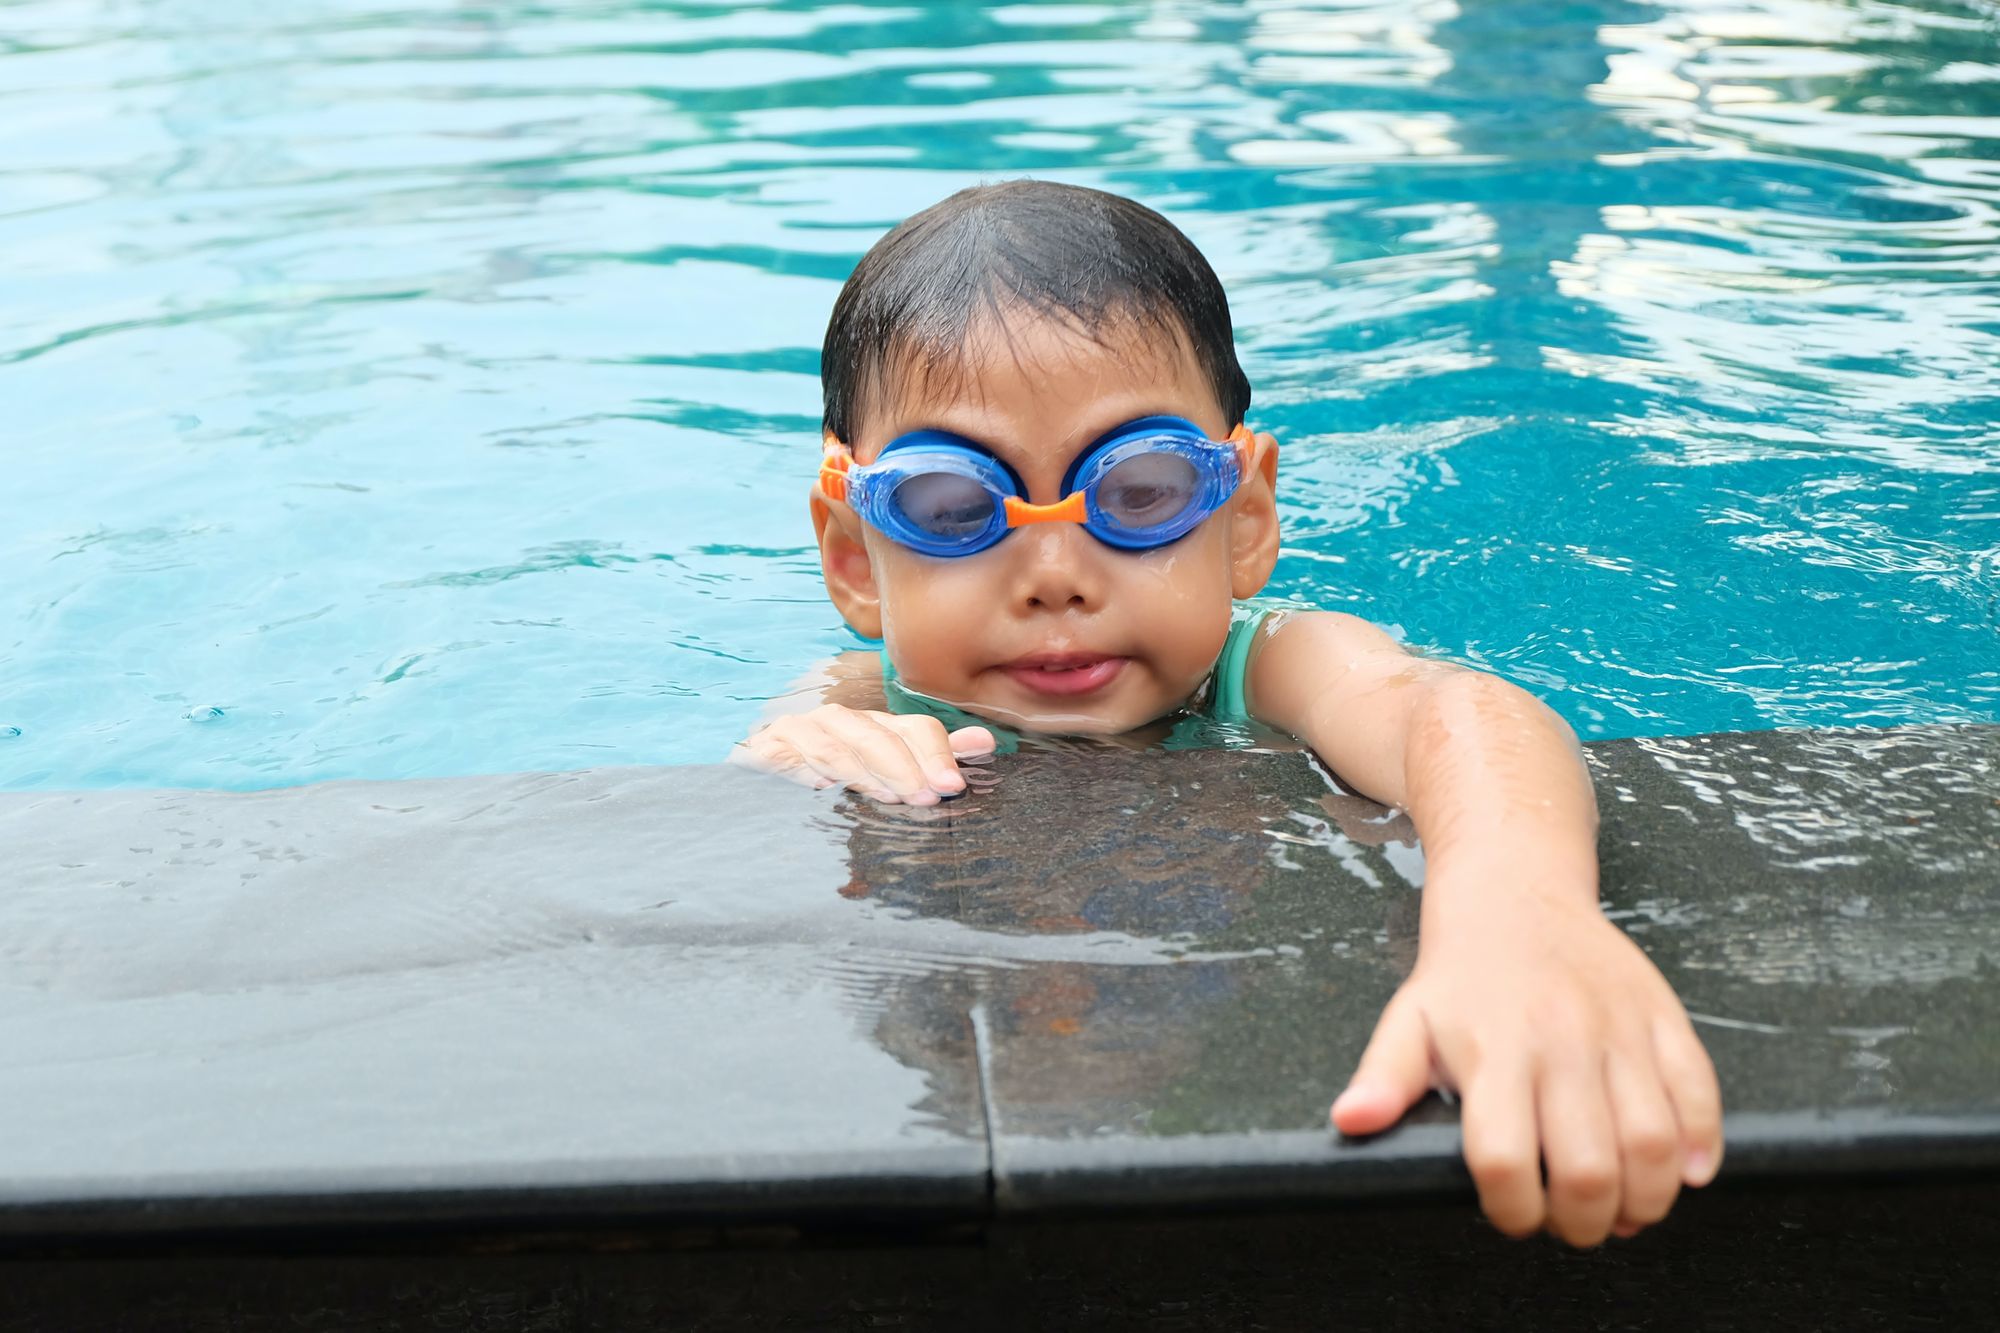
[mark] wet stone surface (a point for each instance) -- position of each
(1101, 979)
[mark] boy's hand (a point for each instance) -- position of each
(898, 758)
(1568, 1049)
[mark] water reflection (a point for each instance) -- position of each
(1272, 960)
(1849, 175)
(1200, 943)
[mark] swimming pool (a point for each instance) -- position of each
(427, 389)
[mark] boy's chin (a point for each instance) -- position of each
(1124, 708)
(1083, 721)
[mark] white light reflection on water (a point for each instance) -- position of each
(432, 390)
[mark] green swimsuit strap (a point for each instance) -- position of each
(1230, 702)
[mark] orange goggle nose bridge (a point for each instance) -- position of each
(1071, 510)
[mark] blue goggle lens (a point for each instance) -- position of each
(946, 505)
(1147, 490)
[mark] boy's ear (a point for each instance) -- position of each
(1253, 530)
(850, 575)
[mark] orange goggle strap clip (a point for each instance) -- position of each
(1246, 450)
(1071, 509)
(833, 467)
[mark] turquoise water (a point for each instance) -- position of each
(421, 389)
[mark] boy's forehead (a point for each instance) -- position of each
(1039, 378)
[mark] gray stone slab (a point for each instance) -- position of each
(459, 998)
(1139, 977)
(1828, 906)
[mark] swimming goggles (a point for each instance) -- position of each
(1144, 484)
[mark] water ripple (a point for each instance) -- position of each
(1649, 353)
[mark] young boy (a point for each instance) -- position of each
(1040, 494)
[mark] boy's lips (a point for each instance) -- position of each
(1064, 673)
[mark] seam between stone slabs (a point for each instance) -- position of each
(982, 1065)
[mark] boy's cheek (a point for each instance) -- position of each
(926, 590)
(932, 619)
(1186, 593)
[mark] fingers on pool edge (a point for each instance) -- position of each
(936, 751)
(971, 742)
(1690, 1081)
(1586, 1172)
(1649, 1139)
(1393, 1075)
(1503, 1149)
(773, 751)
(889, 756)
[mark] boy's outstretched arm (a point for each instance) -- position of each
(1566, 1046)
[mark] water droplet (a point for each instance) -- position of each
(9, 733)
(205, 713)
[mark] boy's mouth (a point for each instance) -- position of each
(1064, 674)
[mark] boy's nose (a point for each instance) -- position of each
(1055, 571)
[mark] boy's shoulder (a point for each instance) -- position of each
(1315, 661)
(1297, 620)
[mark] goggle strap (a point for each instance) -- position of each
(1246, 450)
(833, 469)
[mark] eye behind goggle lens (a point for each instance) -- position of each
(944, 504)
(1147, 490)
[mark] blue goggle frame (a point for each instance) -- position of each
(1217, 466)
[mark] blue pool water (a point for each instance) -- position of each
(428, 388)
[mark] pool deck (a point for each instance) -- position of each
(1100, 984)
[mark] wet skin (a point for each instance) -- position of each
(1007, 633)
(1587, 1100)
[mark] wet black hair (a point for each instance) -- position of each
(1083, 256)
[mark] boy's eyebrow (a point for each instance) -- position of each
(969, 436)
(979, 438)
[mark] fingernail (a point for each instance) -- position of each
(1700, 1167)
(921, 798)
(947, 780)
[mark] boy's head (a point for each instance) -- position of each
(1030, 319)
